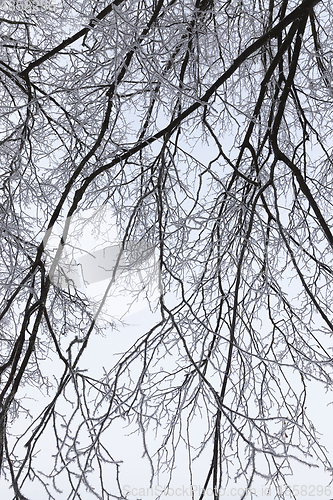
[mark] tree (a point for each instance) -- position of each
(205, 129)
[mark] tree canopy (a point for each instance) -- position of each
(205, 128)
